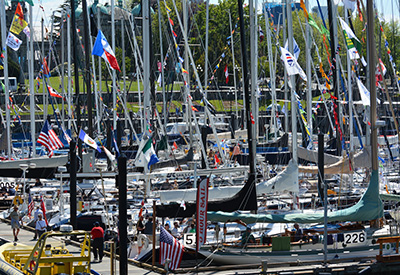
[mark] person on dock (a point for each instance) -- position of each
(148, 228)
(140, 225)
(247, 237)
(176, 231)
(98, 241)
(15, 222)
(38, 212)
(40, 226)
(298, 232)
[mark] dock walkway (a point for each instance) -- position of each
(104, 268)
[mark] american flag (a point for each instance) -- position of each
(31, 205)
(49, 139)
(170, 249)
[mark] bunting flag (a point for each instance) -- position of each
(291, 65)
(350, 34)
(226, 74)
(260, 33)
(18, 24)
(378, 75)
(13, 42)
(45, 68)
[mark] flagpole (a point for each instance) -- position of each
(5, 69)
(233, 63)
(309, 78)
(32, 84)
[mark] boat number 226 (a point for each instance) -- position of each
(354, 237)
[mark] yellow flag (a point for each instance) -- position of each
(18, 25)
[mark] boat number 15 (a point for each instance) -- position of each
(354, 237)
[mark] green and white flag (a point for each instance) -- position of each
(146, 154)
(350, 37)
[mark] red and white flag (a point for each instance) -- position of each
(170, 249)
(54, 92)
(43, 210)
(252, 118)
(202, 201)
(226, 74)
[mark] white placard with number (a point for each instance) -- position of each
(189, 239)
(354, 238)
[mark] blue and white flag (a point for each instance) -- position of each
(88, 140)
(291, 65)
(296, 49)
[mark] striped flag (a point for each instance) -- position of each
(170, 249)
(49, 139)
(43, 210)
(31, 205)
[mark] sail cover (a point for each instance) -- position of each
(369, 207)
(245, 199)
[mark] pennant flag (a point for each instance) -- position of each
(167, 8)
(170, 249)
(49, 139)
(217, 160)
(348, 30)
(184, 71)
(54, 93)
(183, 205)
(45, 68)
(103, 49)
(174, 33)
(43, 210)
(378, 75)
(226, 74)
(89, 141)
(115, 145)
(291, 65)
(170, 21)
(365, 95)
(363, 61)
(13, 42)
(194, 109)
(31, 203)
(296, 49)
(18, 23)
(252, 118)
(260, 33)
(27, 32)
(110, 156)
(175, 146)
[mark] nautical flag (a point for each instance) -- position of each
(103, 49)
(350, 34)
(350, 38)
(49, 139)
(66, 136)
(226, 74)
(194, 109)
(296, 49)
(115, 145)
(291, 65)
(184, 71)
(252, 118)
(110, 156)
(149, 153)
(378, 75)
(353, 53)
(31, 205)
(45, 68)
(88, 140)
(27, 32)
(174, 146)
(13, 42)
(170, 249)
(350, 4)
(260, 33)
(365, 95)
(54, 92)
(18, 23)
(43, 210)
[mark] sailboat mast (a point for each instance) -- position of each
(5, 70)
(253, 69)
(246, 90)
(350, 91)
(309, 77)
(113, 71)
(87, 66)
(146, 66)
(69, 70)
(233, 64)
(31, 85)
(164, 109)
(372, 87)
